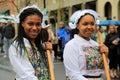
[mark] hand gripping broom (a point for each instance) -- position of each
(44, 36)
(104, 58)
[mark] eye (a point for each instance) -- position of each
(92, 23)
(30, 23)
(38, 24)
(85, 23)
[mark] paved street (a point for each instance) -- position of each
(59, 71)
(7, 74)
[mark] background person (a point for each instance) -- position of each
(103, 34)
(112, 44)
(60, 34)
(118, 29)
(1, 37)
(8, 33)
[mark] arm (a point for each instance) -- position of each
(3, 30)
(104, 49)
(72, 63)
(107, 42)
(21, 65)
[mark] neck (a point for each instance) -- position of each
(86, 38)
(33, 42)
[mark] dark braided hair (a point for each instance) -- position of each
(21, 32)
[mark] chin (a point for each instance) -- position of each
(33, 37)
(86, 38)
(88, 35)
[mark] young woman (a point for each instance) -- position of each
(82, 58)
(26, 53)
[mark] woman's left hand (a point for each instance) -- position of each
(104, 49)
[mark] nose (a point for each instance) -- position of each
(34, 27)
(89, 26)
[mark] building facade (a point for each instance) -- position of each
(61, 10)
(108, 9)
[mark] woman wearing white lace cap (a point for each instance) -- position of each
(82, 55)
(27, 55)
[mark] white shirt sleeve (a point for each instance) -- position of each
(71, 63)
(21, 65)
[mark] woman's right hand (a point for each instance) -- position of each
(104, 49)
(48, 46)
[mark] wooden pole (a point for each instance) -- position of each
(44, 36)
(50, 65)
(104, 59)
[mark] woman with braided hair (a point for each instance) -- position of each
(27, 53)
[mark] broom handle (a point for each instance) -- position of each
(50, 65)
(104, 59)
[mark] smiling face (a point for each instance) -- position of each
(86, 26)
(32, 26)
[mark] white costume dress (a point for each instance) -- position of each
(82, 58)
(29, 66)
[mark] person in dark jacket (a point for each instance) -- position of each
(112, 43)
(9, 33)
(1, 37)
(118, 29)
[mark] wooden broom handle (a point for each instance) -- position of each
(104, 59)
(50, 65)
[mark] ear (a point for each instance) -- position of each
(22, 24)
(77, 26)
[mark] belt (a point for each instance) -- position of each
(92, 76)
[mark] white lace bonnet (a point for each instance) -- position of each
(76, 15)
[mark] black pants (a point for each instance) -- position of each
(60, 44)
(113, 59)
(55, 47)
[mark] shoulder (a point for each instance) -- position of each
(26, 42)
(94, 42)
(14, 44)
(15, 47)
(73, 43)
(5, 27)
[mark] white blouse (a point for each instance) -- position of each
(21, 65)
(82, 57)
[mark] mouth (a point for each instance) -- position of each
(89, 32)
(34, 33)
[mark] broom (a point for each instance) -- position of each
(44, 36)
(104, 59)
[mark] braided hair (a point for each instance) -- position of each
(21, 32)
